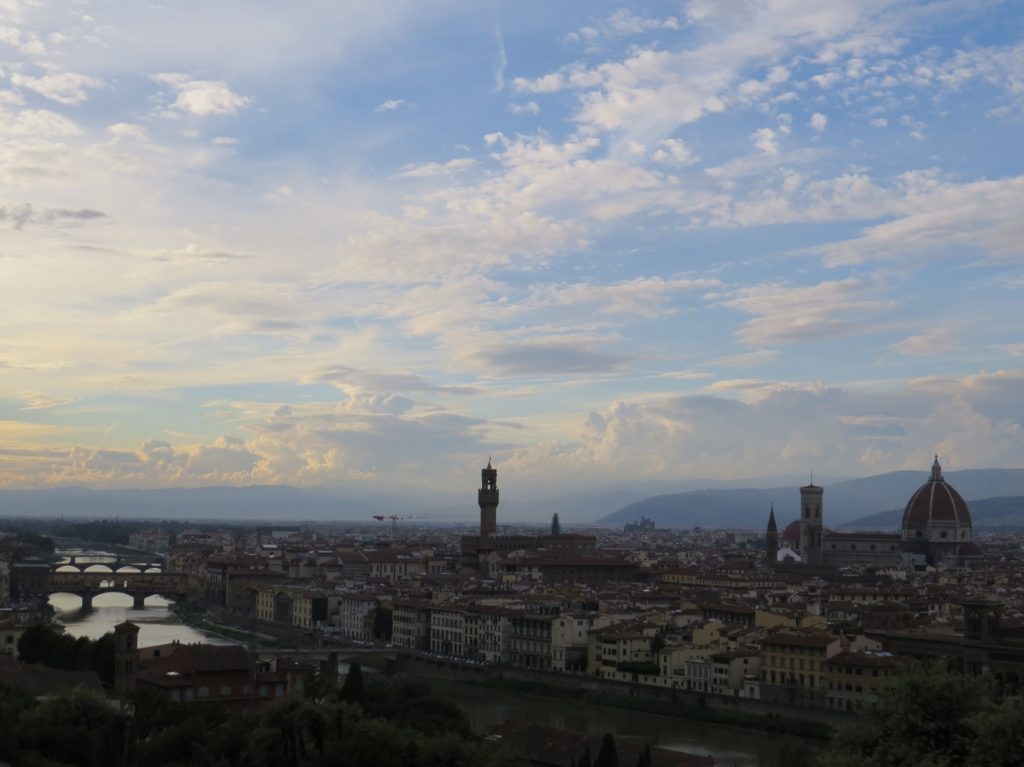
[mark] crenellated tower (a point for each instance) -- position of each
(487, 497)
(811, 548)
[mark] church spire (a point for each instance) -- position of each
(771, 539)
(936, 470)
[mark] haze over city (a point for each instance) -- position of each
(372, 245)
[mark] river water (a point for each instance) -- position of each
(157, 624)
(731, 746)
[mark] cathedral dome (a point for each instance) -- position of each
(936, 504)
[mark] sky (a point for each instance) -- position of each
(371, 245)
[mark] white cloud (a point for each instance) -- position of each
(674, 152)
(530, 107)
(932, 342)
(818, 121)
(549, 83)
(202, 98)
(65, 88)
(430, 169)
(783, 313)
(937, 217)
(390, 105)
(766, 140)
(781, 427)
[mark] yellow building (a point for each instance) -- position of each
(794, 666)
(855, 678)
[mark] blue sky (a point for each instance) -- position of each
(370, 244)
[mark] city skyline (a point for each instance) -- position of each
(374, 245)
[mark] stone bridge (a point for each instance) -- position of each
(136, 585)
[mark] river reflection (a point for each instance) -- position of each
(157, 624)
(731, 747)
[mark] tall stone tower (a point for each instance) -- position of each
(487, 497)
(772, 540)
(810, 524)
(126, 657)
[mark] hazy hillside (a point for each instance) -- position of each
(987, 514)
(844, 501)
(281, 502)
(270, 502)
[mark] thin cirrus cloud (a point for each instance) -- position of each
(667, 245)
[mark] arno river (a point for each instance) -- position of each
(730, 746)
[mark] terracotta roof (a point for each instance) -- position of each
(792, 531)
(800, 640)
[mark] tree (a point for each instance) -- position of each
(794, 753)
(657, 643)
(382, 622)
(608, 754)
(585, 761)
(74, 728)
(925, 718)
(353, 691)
(644, 760)
(556, 526)
(34, 642)
(998, 736)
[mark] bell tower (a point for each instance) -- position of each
(487, 497)
(810, 524)
(126, 649)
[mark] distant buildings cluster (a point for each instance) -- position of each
(805, 616)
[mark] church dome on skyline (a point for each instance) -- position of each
(937, 511)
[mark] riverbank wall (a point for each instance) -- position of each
(741, 712)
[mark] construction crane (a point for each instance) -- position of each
(395, 519)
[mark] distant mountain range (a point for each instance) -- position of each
(875, 502)
(259, 502)
(858, 500)
(1005, 513)
(285, 503)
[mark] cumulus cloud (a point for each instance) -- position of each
(818, 121)
(766, 140)
(784, 427)
(202, 98)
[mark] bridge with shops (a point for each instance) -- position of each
(113, 562)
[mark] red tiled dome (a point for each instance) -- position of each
(792, 531)
(936, 501)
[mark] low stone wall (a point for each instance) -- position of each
(455, 672)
